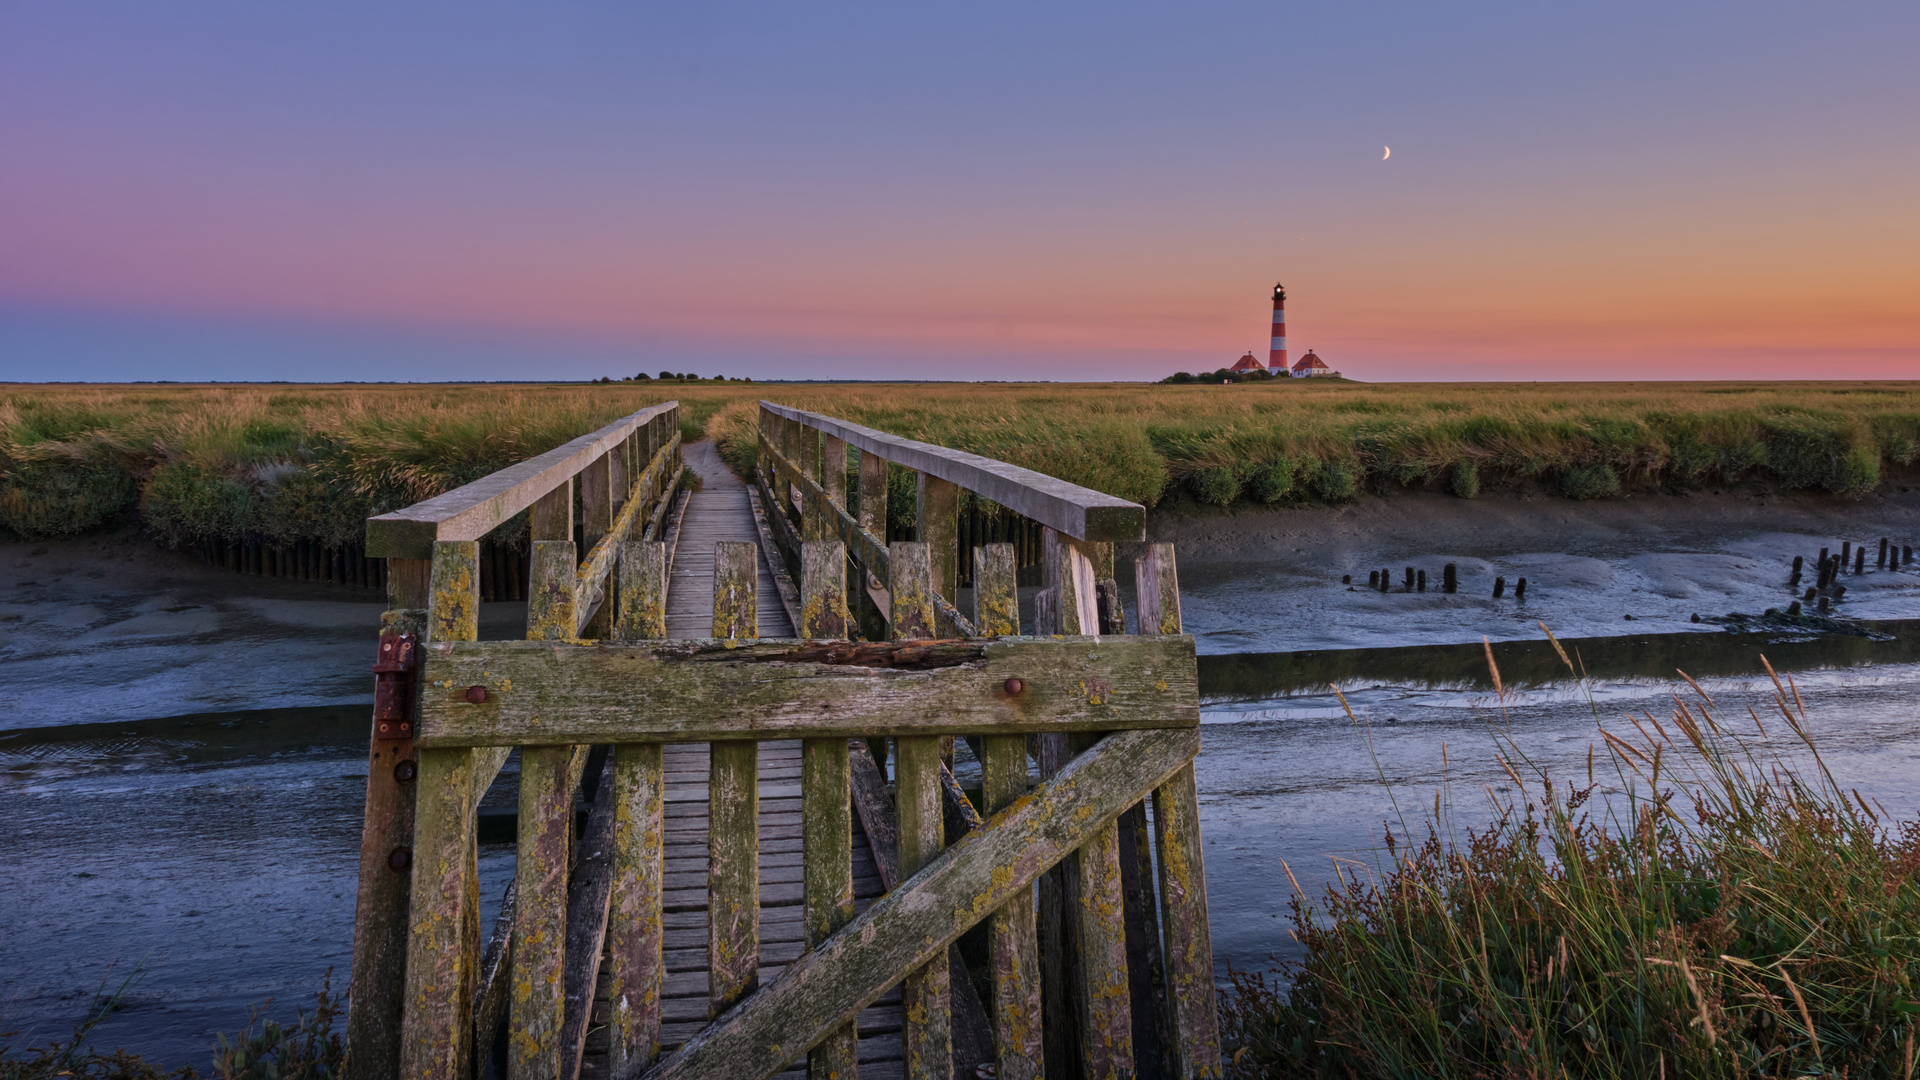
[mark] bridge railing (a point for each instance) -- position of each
(1086, 871)
(592, 494)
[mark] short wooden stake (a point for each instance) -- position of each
(1373, 579)
(1860, 560)
(1449, 578)
(1410, 579)
(1846, 554)
(1826, 605)
(1499, 587)
(643, 591)
(1520, 589)
(1420, 581)
(736, 577)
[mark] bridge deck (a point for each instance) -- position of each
(720, 511)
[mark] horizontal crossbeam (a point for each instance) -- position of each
(1082, 513)
(826, 988)
(471, 511)
(529, 693)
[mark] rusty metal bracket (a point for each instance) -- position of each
(393, 676)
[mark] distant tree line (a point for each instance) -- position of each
(673, 376)
(1226, 375)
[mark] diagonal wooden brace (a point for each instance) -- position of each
(825, 989)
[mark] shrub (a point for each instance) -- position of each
(1463, 479)
(1589, 482)
(1218, 486)
(183, 502)
(1702, 908)
(56, 498)
(1271, 481)
(1335, 481)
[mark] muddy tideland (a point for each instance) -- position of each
(182, 750)
(1270, 580)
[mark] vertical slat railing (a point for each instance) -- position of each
(733, 805)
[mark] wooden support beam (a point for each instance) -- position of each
(540, 913)
(380, 904)
(543, 693)
(550, 595)
(636, 967)
(822, 990)
(733, 807)
(588, 897)
(595, 589)
(1012, 944)
(925, 994)
(1100, 946)
(553, 514)
(1183, 878)
(596, 521)
(823, 591)
(436, 1039)
(936, 512)
(996, 596)
(1146, 967)
(643, 591)
(827, 839)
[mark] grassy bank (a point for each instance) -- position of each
(1697, 905)
(279, 463)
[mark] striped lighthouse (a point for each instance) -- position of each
(1277, 349)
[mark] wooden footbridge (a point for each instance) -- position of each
(743, 850)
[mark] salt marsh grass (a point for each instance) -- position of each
(285, 462)
(1706, 901)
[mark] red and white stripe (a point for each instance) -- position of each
(1277, 349)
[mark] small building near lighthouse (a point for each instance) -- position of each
(1246, 364)
(1311, 365)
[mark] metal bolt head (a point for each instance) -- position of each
(405, 771)
(1013, 687)
(400, 860)
(476, 695)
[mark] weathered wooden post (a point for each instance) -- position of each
(733, 804)
(1520, 589)
(1184, 925)
(1881, 562)
(826, 793)
(386, 851)
(1860, 560)
(1420, 581)
(443, 951)
(926, 1040)
(1373, 579)
(1012, 941)
(1499, 587)
(1846, 554)
(1386, 579)
(1449, 578)
(1409, 582)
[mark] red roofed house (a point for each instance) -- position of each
(1245, 364)
(1311, 365)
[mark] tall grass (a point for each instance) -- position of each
(1699, 906)
(288, 462)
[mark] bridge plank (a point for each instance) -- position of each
(1077, 511)
(821, 990)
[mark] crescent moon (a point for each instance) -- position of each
(1388, 154)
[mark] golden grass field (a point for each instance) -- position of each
(287, 461)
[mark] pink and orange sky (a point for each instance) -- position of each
(356, 190)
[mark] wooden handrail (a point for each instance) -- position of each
(471, 511)
(1082, 513)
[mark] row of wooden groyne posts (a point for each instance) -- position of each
(1051, 921)
(505, 567)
